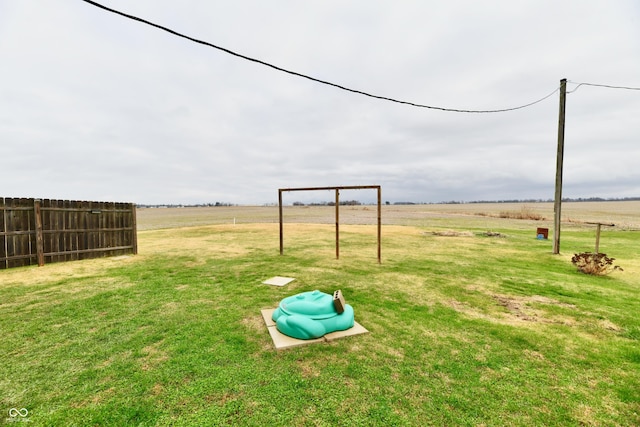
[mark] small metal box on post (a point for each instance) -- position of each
(542, 233)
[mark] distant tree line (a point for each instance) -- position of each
(195, 205)
(357, 203)
(564, 199)
(342, 203)
(600, 199)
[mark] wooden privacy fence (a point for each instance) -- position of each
(34, 231)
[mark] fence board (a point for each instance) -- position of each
(35, 232)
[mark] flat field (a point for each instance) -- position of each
(467, 328)
(626, 215)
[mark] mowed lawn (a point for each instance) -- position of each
(465, 329)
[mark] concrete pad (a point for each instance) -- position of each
(278, 281)
(282, 341)
(266, 315)
(356, 329)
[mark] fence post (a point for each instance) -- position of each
(39, 240)
(134, 230)
(5, 236)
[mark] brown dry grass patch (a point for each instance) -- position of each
(153, 356)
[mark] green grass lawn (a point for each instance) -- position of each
(464, 331)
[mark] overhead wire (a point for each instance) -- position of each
(305, 76)
(600, 85)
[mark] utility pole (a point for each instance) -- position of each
(559, 163)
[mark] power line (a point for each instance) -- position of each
(601, 85)
(294, 73)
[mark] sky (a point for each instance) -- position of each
(95, 106)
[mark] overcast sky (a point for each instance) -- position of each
(94, 106)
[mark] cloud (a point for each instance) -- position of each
(96, 106)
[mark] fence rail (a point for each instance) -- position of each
(34, 231)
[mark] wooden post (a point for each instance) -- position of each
(598, 227)
(4, 232)
(337, 224)
(379, 224)
(134, 226)
(280, 214)
(559, 165)
(39, 240)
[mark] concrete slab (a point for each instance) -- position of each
(266, 315)
(356, 329)
(282, 341)
(278, 281)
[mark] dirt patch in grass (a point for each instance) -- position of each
(157, 389)
(493, 234)
(519, 310)
(527, 309)
(308, 369)
(534, 355)
(452, 233)
(517, 307)
(609, 325)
